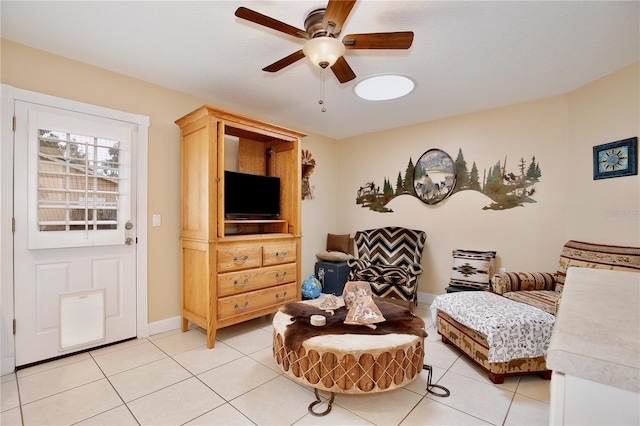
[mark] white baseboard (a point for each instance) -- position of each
(7, 365)
(167, 324)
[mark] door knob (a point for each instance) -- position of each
(128, 241)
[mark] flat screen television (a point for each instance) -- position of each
(249, 196)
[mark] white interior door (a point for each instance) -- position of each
(75, 232)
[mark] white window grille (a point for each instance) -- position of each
(79, 180)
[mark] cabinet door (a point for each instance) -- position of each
(285, 163)
(274, 254)
(198, 189)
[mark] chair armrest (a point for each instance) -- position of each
(522, 281)
(415, 269)
(358, 264)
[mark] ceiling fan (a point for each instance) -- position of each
(323, 26)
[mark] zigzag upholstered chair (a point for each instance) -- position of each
(389, 259)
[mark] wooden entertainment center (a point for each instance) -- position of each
(236, 270)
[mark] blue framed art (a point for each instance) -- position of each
(615, 159)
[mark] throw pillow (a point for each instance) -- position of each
(334, 256)
(472, 268)
(339, 243)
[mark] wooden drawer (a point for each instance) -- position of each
(254, 279)
(237, 258)
(275, 254)
(245, 303)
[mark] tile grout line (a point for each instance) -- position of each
(259, 360)
(19, 400)
(115, 390)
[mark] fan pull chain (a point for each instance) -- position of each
(321, 101)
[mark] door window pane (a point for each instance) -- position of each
(78, 182)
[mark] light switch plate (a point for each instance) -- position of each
(157, 220)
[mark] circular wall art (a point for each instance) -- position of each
(434, 176)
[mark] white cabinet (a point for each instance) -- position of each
(577, 401)
(595, 350)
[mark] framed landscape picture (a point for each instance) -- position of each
(434, 176)
(616, 159)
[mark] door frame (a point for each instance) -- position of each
(9, 95)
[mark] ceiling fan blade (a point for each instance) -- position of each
(258, 18)
(286, 61)
(342, 70)
(397, 40)
(336, 13)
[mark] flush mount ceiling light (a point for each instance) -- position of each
(323, 51)
(384, 87)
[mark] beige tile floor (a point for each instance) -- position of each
(173, 379)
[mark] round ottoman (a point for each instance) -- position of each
(349, 363)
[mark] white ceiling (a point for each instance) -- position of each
(466, 56)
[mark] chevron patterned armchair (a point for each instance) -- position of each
(389, 259)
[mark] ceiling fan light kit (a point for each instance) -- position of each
(384, 87)
(323, 51)
(322, 26)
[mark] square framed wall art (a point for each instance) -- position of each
(615, 159)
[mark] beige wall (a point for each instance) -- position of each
(525, 238)
(319, 215)
(39, 71)
(559, 131)
(606, 110)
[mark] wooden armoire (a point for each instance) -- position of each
(235, 270)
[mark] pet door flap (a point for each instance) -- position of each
(82, 318)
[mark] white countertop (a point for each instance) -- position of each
(597, 331)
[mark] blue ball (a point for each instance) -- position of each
(311, 288)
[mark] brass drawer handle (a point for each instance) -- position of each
(243, 307)
(241, 284)
(279, 277)
(240, 261)
(281, 297)
(281, 255)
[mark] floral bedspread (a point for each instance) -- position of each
(513, 329)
